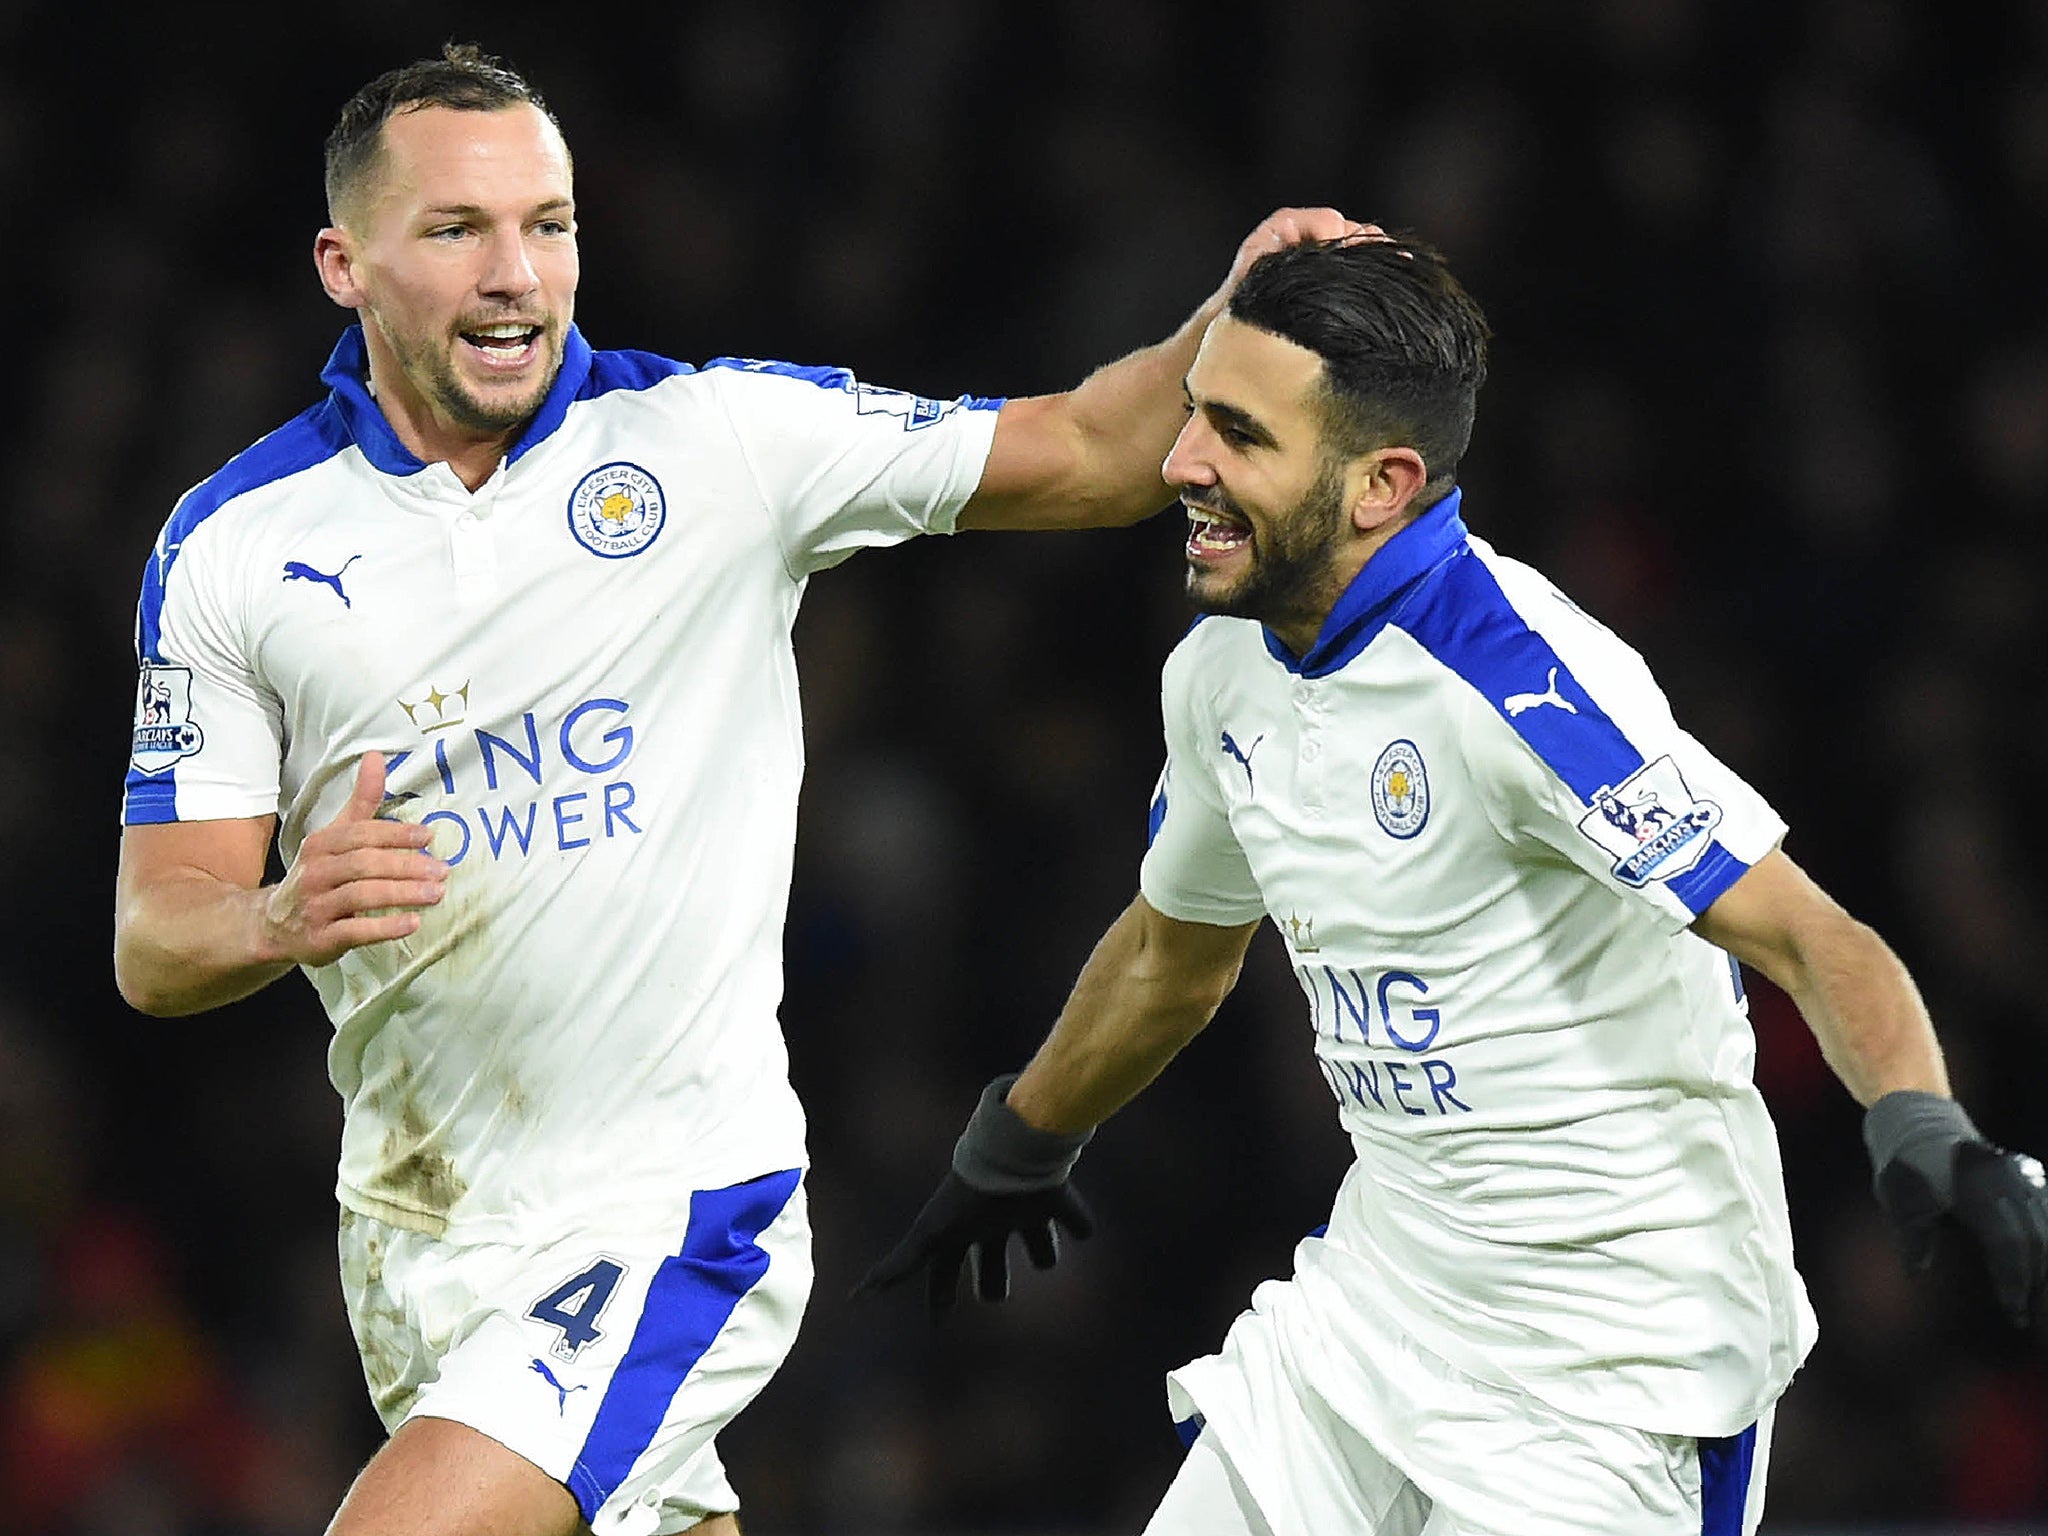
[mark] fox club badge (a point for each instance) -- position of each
(1400, 790)
(164, 728)
(617, 510)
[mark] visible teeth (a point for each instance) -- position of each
(502, 332)
(1217, 534)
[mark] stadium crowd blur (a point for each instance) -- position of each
(1770, 395)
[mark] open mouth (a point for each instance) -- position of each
(1213, 536)
(508, 345)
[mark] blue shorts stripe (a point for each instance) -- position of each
(691, 1298)
(1725, 1468)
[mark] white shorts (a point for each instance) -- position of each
(608, 1358)
(1439, 1453)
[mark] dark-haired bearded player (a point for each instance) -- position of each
(1556, 1293)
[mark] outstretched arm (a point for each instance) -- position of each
(1853, 992)
(1930, 1164)
(1090, 457)
(1149, 988)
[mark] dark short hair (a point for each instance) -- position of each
(464, 78)
(1403, 344)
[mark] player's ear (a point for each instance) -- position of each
(1381, 484)
(334, 258)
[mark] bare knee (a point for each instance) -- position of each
(439, 1478)
(717, 1525)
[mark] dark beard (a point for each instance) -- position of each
(1290, 578)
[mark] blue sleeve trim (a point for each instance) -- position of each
(688, 1303)
(311, 438)
(152, 800)
(1701, 886)
(1463, 618)
(1156, 818)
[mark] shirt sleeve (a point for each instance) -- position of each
(1194, 868)
(843, 465)
(1586, 760)
(208, 736)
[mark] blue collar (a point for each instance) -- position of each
(1366, 606)
(347, 374)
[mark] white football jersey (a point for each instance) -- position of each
(582, 679)
(1482, 837)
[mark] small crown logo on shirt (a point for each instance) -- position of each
(1301, 934)
(436, 711)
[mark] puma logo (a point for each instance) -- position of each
(1243, 756)
(1518, 703)
(561, 1392)
(298, 570)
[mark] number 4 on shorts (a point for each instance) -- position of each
(575, 1305)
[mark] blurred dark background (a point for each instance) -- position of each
(1770, 396)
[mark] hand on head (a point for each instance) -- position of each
(1293, 226)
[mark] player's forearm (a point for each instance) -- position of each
(1137, 1002)
(1126, 416)
(184, 946)
(1090, 458)
(1863, 1008)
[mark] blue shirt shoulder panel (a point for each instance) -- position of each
(626, 369)
(1464, 619)
(823, 377)
(843, 379)
(1461, 617)
(311, 438)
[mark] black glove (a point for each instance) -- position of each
(1007, 1177)
(1931, 1164)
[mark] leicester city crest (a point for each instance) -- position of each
(616, 510)
(164, 728)
(1400, 790)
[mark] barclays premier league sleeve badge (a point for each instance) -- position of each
(1651, 824)
(164, 728)
(915, 410)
